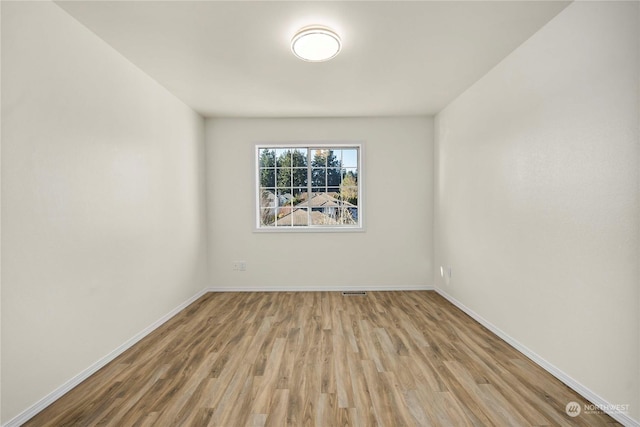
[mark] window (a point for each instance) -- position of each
(309, 187)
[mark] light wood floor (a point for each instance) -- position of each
(323, 359)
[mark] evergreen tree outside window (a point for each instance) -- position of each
(309, 187)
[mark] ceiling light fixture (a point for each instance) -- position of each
(315, 43)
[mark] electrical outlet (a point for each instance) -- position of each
(239, 266)
(447, 275)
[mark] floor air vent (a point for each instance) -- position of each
(353, 293)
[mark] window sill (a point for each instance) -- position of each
(309, 229)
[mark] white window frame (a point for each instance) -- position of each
(359, 227)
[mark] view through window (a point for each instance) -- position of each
(309, 187)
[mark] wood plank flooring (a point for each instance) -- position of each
(319, 359)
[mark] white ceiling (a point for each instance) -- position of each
(233, 58)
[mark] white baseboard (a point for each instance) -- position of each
(585, 392)
(34, 409)
(328, 288)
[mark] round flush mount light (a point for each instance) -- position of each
(315, 43)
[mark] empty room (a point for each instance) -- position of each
(331, 213)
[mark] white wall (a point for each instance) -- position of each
(102, 201)
(0, 217)
(395, 251)
(537, 201)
